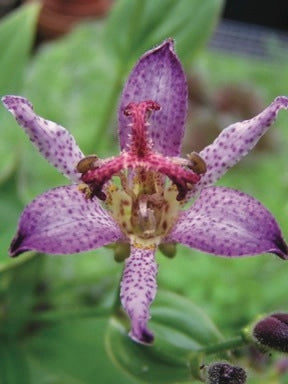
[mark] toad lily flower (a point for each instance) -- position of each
(146, 209)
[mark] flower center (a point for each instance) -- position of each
(143, 207)
(146, 204)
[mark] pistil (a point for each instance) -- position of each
(139, 155)
(140, 112)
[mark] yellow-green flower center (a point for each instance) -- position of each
(144, 207)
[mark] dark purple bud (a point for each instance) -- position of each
(224, 373)
(272, 332)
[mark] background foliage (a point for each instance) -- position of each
(56, 313)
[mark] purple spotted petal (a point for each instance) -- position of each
(236, 141)
(158, 76)
(53, 141)
(227, 222)
(138, 290)
(62, 221)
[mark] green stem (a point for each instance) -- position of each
(236, 342)
(117, 302)
(71, 314)
(103, 137)
(18, 262)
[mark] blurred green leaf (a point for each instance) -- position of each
(138, 361)
(17, 294)
(34, 350)
(135, 27)
(174, 312)
(71, 353)
(74, 86)
(32, 164)
(181, 330)
(16, 38)
(13, 364)
(10, 207)
(10, 146)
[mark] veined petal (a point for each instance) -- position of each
(62, 221)
(138, 290)
(52, 140)
(227, 222)
(158, 76)
(235, 142)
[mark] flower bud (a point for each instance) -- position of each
(272, 332)
(224, 373)
(121, 252)
(168, 249)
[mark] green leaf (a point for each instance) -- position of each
(139, 361)
(174, 313)
(17, 293)
(10, 208)
(77, 90)
(71, 353)
(13, 364)
(35, 174)
(10, 148)
(181, 330)
(16, 38)
(135, 27)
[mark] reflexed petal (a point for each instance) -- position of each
(138, 290)
(236, 141)
(62, 221)
(227, 222)
(158, 76)
(53, 141)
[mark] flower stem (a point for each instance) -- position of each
(236, 342)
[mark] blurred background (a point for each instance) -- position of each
(71, 59)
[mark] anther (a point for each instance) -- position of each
(96, 190)
(87, 163)
(197, 164)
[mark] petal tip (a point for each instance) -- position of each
(167, 44)
(12, 102)
(15, 247)
(283, 101)
(282, 248)
(142, 336)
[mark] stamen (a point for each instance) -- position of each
(146, 218)
(184, 173)
(87, 163)
(197, 164)
(96, 178)
(143, 208)
(125, 186)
